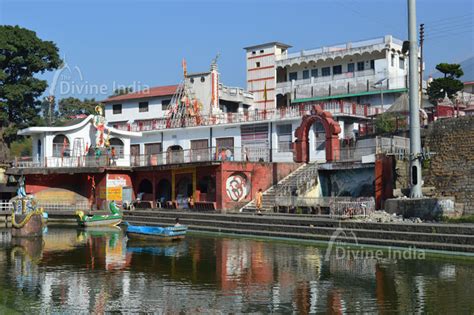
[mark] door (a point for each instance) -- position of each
(199, 150)
(135, 154)
(153, 153)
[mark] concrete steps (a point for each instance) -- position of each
(300, 181)
(448, 237)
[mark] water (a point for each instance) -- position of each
(81, 271)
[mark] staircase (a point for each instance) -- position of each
(299, 182)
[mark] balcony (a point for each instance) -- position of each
(342, 84)
(340, 50)
(337, 108)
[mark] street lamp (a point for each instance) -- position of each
(379, 84)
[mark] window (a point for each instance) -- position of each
(401, 63)
(326, 71)
(293, 76)
(117, 109)
(199, 150)
(372, 64)
(191, 80)
(60, 146)
(153, 148)
(284, 134)
(392, 60)
(337, 69)
(261, 51)
(165, 105)
(143, 107)
(360, 66)
(314, 73)
(203, 79)
(257, 64)
(305, 74)
(254, 52)
(350, 67)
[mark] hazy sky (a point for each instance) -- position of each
(122, 42)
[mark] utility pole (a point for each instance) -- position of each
(415, 139)
(422, 38)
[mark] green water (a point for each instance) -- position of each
(73, 271)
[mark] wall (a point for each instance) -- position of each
(256, 175)
(131, 112)
(451, 170)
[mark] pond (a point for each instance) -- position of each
(98, 270)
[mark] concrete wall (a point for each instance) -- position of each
(131, 112)
(451, 170)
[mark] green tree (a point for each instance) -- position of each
(449, 84)
(122, 91)
(385, 123)
(72, 106)
(22, 56)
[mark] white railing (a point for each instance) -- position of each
(50, 206)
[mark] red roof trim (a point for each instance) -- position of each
(156, 91)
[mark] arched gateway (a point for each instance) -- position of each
(332, 129)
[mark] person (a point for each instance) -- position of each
(176, 222)
(113, 153)
(191, 202)
(259, 199)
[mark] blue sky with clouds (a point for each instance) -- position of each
(122, 42)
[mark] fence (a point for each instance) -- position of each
(341, 207)
(50, 206)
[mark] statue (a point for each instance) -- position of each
(99, 123)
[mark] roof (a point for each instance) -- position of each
(268, 44)
(156, 91)
(35, 130)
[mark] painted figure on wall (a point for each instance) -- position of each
(237, 187)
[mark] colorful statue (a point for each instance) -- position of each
(99, 123)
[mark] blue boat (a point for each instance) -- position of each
(156, 233)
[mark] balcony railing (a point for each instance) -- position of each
(296, 111)
(248, 154)
(313, 88)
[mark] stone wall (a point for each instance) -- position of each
(451, 169)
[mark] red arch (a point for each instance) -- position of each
(332, 129)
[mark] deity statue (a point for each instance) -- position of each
(99, 123)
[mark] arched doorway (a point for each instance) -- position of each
(61, 146)
(175, 154)
(331, 128)
(118, 146)
(184, 189)
(163, 190)
(207, 188)
(145, 189)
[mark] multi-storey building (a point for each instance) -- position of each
(370, 72)
(275, 121)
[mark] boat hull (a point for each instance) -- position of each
(106, 222)
(150, 237)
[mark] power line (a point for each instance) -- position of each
(445, 35)
(446, 20)
(460, 27)
(435, 27)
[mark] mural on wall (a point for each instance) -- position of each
(237, 187)
(100, 123)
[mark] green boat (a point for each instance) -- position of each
(112, 219)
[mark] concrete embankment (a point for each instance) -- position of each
(446, 237)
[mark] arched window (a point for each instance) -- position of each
(61, 146)
(117, 145)
(175, 154)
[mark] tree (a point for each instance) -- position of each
(22, 55)
(122, 91)
(385, 123)
(72, 106)
(449, 84)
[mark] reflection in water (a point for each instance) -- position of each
(97, 270)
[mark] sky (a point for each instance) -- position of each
(107, 44)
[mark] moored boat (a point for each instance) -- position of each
(112, 219)
(156, 233)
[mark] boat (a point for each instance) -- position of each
(156, 233)
(115, 218)
(26, 215)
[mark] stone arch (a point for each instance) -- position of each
(332, 129)
(163, 190)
